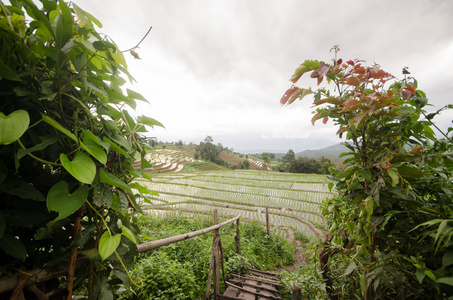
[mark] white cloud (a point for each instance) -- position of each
(220, 67)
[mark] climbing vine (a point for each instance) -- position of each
(391, 223)
(67, 144)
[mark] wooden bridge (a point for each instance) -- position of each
(254, 285)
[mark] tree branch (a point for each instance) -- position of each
(136, 46)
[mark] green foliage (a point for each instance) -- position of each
(245, 164)
(180, 270)
(262, 251)
(67, 144)
(305, 165)
(391, 222)
(308, 278)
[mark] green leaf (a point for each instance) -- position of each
(430, 274)
(149, 121)
(394, 175)
(7, 73)
(63, 25)
(445, 280)
(420, 274)
(440, 229)
(366, 174)
(81, 167)
(121, 140)
(22, 189)
(447, 259)
(144, 163)
(40, 16)
(115, 147)
(86, 18)
(409, 172)
(13, 126)
(84, 236)
(351, 267)
(128, 233)
(104, 292)
(60, 200)
(89, 135)
(58, 126)
(120, 202)
(108, 244)
(102, 196)
(330, 185)
(95, 150)
(141, 189)
(46, 142)
(351, 227)
(13, 247)
(134, 95)
(111, 179)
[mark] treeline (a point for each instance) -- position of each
(208, 151)
(306, 165)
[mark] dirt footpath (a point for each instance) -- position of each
(299, 256)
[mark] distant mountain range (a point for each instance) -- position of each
(333, 152)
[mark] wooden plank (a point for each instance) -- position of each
(254, 293)
(239, 282)
(258, 279)
(264, 272)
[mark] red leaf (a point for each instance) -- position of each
(359, 69)
(353, 81)
(294, 96)
(299, 72)
(406, 94)
(315, 117)
(417, 149)
(337, 69)
(323, 69)
(325, 119)
(341, 130)
(287, 94)
(357, 119)
(350, 62)
(320, 80)
(410, 89)
(378, 73)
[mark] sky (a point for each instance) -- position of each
(219, 67)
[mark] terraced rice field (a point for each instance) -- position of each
(293, 200)
(166, 160)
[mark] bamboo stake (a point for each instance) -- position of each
(237, 238)
(215, 250)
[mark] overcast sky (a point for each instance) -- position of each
(220, 67)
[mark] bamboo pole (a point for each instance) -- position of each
(167, 241)
(215, 250)
(237, 238)
(267, 221)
